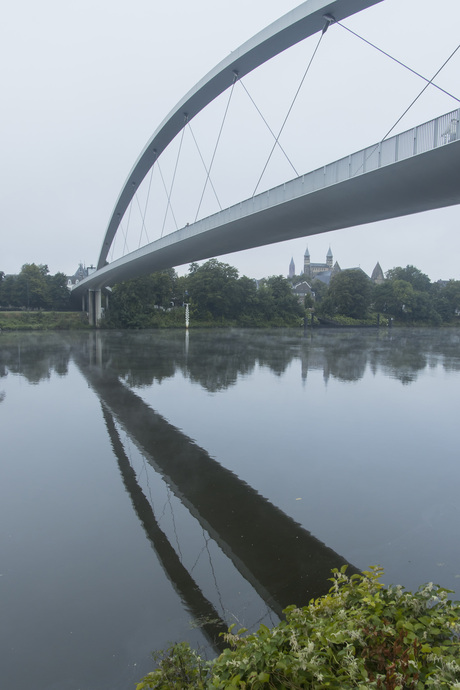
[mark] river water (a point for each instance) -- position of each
(159, 486)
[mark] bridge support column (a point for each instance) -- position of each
(94, 307)
(91, 308)
(97, 307)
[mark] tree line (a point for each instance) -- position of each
(34, 288)
(407, 295)
(217, 295)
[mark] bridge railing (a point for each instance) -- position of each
(430, 135)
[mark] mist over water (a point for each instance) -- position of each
(159, 486)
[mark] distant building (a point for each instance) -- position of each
(377, 274)
(312, 270)
(325, 271)
(80, 273)
(301, 290)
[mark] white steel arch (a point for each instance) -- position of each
(303, 21)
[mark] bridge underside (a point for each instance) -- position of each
(423, 182)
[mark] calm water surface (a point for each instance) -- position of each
(158, 487)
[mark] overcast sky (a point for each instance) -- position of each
(85, 84)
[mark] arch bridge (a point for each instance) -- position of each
(416, 170)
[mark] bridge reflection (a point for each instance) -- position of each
(197, 604)
(283, 562)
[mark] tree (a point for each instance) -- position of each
(58, 292)
(276, 302)
(349, 294)
(408, 295)
(412, 275)
(213, 289)
(446, 299)
(133, 302)
(8, 291)
(32, 289)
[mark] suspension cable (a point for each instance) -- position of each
(172, 182)
(269, 128)
(408, 108)
(217, 143)
(125, 234)
(143, 228)
(399, 62)
(291, 106)
(422, 91)
(204, 164)
(166, 191)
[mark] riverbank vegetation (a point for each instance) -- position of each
(35, 288)
(407, 296)
(218, 297)
(361, 635)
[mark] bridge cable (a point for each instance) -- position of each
(181, 558)
(422, 91)
(408, 108)
(217, 144)
(269, 128)
(166, 190)
(211, 565)
(143, 214)
(172, 183)
(142, 219)
(125, 234)
(292, 105)
(399, 62)
(204, 164)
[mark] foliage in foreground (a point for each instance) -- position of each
(360, 635)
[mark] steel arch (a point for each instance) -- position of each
(293, 27)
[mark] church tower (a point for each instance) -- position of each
(329, 258)
(306, 262)
(377, 274)
(292, 268)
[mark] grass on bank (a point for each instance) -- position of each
(42, 320)
(361, 635)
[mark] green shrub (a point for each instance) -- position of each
(372, 320)
(360, 635)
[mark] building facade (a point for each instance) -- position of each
(325, 271)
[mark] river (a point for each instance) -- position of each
(160, 486)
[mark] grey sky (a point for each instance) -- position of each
(85, 84)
